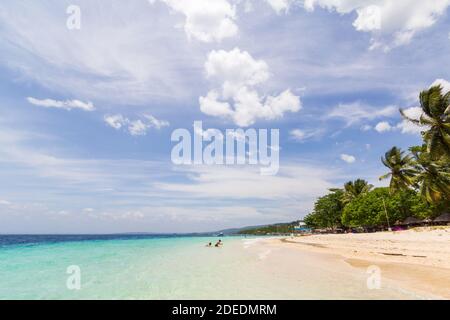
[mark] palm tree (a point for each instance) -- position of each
(436, 118)
(354, 189)
(433, 177)
(401, 168)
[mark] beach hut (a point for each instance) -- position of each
(443, 219)
(411, 221)
(427, 222)
(399, 226)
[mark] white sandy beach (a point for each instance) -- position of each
(416, 260)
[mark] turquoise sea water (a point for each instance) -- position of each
(143, 268)
(134, 267)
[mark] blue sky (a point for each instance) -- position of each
(86, 115)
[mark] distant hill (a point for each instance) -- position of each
(262, 230)
(249, 230)
(235, 231)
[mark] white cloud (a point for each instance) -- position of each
(122, 54)
(301, 180)
(356, 112)
(443, 83)
(211, 105)
(369, 19)
(248, 6)
(170, 199)
(235, 69)
(4, 203)
(348, 158)
(304, 135)
(237, 72)
(236, 195)
(116, 121)
(19, 150)
(383, 127)
(115, 216)
(398, 20)
(195, 217)
(298, 134)
(155, 123)
(66, 105)
(281, 5)
(84, 177)
(206, 20)
(137, 127)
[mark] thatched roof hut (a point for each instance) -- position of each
(411, 221)
(444, 218)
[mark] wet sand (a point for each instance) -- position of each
(417, 260)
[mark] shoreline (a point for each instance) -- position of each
(417, 260)
(303, 268)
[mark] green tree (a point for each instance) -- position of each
(436, 120)
(401, 168)
(354, 189)
(368, 210)
(327, 211)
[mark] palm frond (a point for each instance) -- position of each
(415, 121)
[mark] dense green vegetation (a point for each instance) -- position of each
(419, 179)
(283, 228)
(327, 211)
(371, 209)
